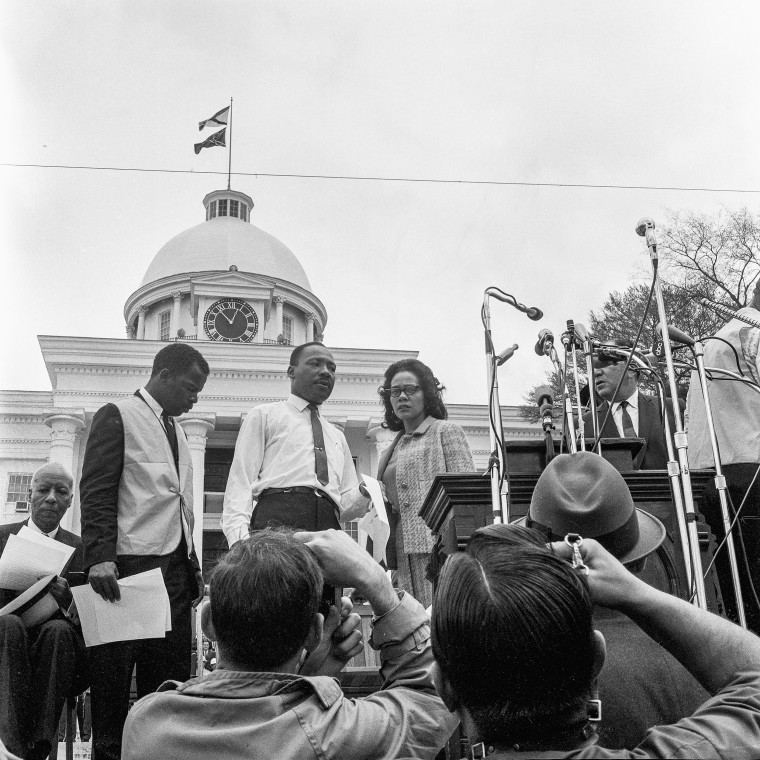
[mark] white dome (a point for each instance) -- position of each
(222, 242)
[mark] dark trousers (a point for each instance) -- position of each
(299, 511)
(746, 539)
(157, 660)
(38, 670)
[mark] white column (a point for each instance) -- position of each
(310, 328)
(177, 296)
(197, 430)
(381, 438)
(64, 429)
(141, 323)
(278, 302)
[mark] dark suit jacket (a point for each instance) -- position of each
(654, 453)
(74, 570)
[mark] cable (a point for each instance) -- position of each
(579, 185)
(627, 361)
(731, 346)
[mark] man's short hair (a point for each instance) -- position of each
(512, 634)
(178, 358)
(264, 595)
(298, 350)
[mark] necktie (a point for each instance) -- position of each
(171, 434)
(320, 456)
(629, 431)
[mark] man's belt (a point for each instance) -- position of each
(301, 489)
(294, 489)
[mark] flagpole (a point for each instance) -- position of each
(229, 150)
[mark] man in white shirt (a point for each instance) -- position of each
(736, 417)
(291, 466)
(634, 414)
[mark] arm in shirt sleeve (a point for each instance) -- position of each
(353, 503)
(99, 486)
(246, 465)
(456, 450)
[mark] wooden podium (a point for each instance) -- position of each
(459, 504)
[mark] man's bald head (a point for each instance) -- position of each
(53, 469)
(50, 495)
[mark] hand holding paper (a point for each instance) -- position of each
(375, 523)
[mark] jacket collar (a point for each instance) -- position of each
(231, 684)
(422, 428)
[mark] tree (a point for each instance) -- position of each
(715, 257)
(701, 256)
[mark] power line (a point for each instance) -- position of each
(429, 180)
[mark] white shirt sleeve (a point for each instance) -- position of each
(246, 464)
(353, 503)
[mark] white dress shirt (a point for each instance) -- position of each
(155, 407)
(275, 449)
(31, 525)
(633, 410)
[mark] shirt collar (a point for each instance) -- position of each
(32, 526)
(241, 685)
(298, 402)
(633, 401)
(152, 403)
(423, 426)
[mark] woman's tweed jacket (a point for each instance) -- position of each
(435, 447)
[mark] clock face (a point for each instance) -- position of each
(231, 320)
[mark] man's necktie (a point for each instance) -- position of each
(171, 434)
(320, 455)
(629, 431)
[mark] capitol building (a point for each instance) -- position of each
(223, 266)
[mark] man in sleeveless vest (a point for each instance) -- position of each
(137, 515)
(736, 416)
(292, 467)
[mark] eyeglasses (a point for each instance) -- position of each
(395, 392)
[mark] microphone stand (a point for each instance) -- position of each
(645, 228)
(571, 347)
(720, 483)
(582, 333)
(498, 461)
(566, 397)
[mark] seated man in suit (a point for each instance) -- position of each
(39, 667)
(634, 414)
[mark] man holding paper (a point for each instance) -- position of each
(137, 516)
(292, 467)
(42, 664)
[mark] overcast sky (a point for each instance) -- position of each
(626, 93)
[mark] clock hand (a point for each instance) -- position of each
(222, 311)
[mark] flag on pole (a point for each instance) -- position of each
(216, 139)
(219, 118)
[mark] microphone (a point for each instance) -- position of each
(730, 313)
(506, 354)
(581, 332)
(677, 336)
(545, 337)
(543, 395)
(645, 229)
(544, 398)
(534, 313)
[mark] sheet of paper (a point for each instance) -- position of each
(141, 613)
(29, 556)
(375, 523)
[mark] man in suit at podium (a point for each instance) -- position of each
(633, 415)
(41, 665)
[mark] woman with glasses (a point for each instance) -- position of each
(427, 445)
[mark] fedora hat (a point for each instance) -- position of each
(583, 493)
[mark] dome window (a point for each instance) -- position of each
(211, 210)
(223, 207)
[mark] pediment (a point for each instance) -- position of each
(231, 279)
